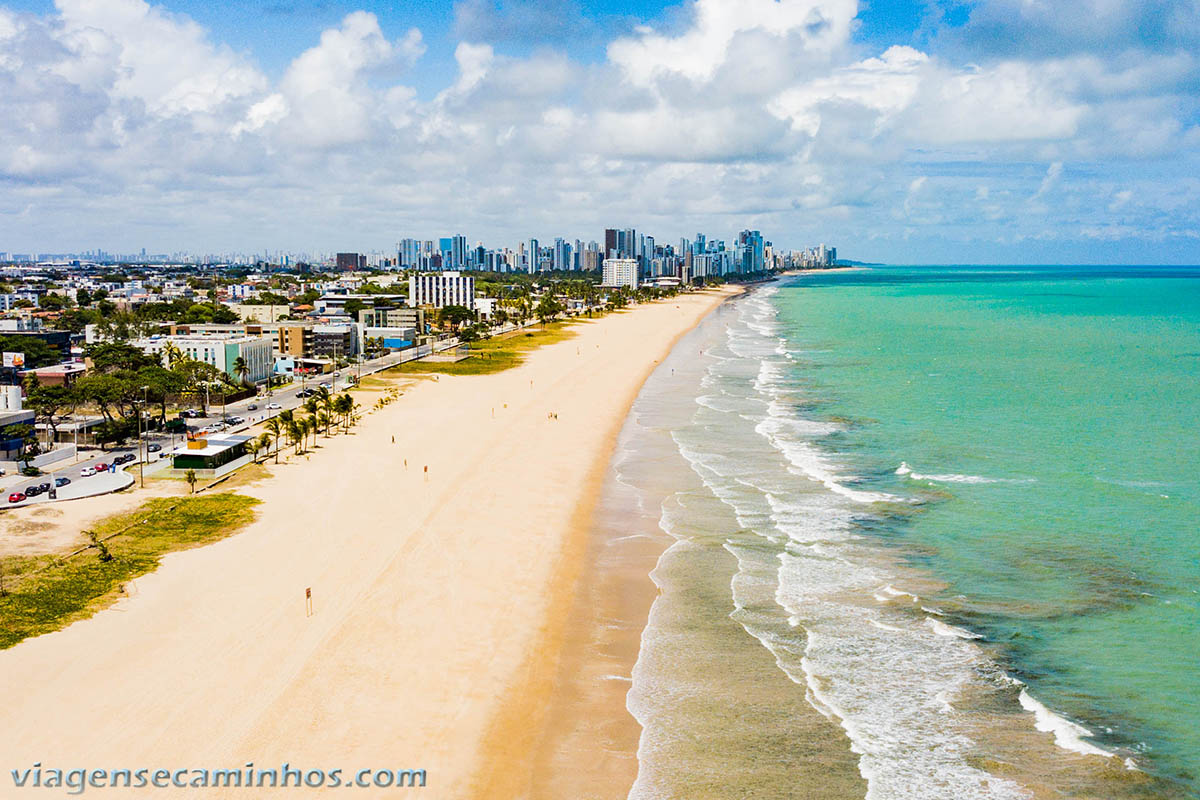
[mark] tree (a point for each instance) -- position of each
(264, 444)
(28, 447)
(108, 357)
(327, 401)
(99, 545)
(173, 353)
(455, 316)
(274, 429)
(197, 378)
(47, 401)
(548, 308)
(190, 477)
(83, 297)
(242, 370)
(294, 434)
(38, 352)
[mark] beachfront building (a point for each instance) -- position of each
(220, 350)
(211, 457)
(441, 290)
(620, 272)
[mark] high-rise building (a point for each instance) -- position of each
(610, 243)
(532, 256)
(350, 261)
(444, 289)
(620, 272)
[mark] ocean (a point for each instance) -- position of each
(930, 533)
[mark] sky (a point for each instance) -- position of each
(935, 131)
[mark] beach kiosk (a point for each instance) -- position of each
(211, 456)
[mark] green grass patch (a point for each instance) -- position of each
(47, 593)
(493, 355)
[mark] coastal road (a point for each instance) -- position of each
(100, 483)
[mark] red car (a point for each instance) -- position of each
(102, 467)
(16, 497)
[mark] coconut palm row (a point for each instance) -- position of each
(326, 412)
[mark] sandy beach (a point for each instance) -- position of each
(440, 597)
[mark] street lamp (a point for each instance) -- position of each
(141, 461)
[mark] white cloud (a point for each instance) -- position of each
(697, 53)
(764, 113)
(163, 60)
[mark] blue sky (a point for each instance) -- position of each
(972, 131)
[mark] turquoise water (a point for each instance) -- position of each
(958, 509)
(1044, 426)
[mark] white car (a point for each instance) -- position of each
(87, 472)
(273, 406)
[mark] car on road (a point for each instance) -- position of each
(234, 421)
(16, 497)
(60, 482)
(326, 386)
(252, 407)
(153, 448)
(32, 491)
(274, 406)
(87, 472)
(101, 467)
(190, 413)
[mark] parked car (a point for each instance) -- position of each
(102, 467)
(44, 486)
(31, 491)
(326, 386)
(252, 407)
(16, 497)
(153, 448)
(87, 472)
(60, 482)
(274, 406)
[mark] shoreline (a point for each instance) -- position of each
(509, 770)
(421, 650)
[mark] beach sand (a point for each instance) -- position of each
(440, 597)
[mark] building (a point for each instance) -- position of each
(57, 375)
(221, 351)
(402, 317)
(620, 272)
(441, 290)
(294, 339)
(211, 457)
(334, 341)
(350, 262)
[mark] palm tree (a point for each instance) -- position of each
(313, 425)
(264, 443)
(326, 400)
(173, 353)
(326, 420)
(252, 449)
(190, 477)
(293, 434)
(242, 370)
(275, 430)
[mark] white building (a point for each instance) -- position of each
(620, 272)
(221, 351)
(441, 290)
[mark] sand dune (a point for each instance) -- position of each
(438, 598)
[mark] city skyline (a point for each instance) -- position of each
(939, 132)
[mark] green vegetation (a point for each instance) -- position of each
(492, 355)
(40, 594)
